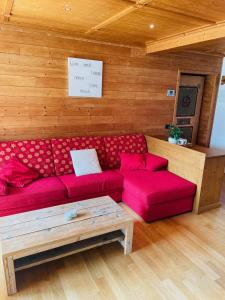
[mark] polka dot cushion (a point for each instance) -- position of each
(35, 154)
(61, 151)
(115, 145)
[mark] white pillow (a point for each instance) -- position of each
(85, 162)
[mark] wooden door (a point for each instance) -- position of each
(188, 105)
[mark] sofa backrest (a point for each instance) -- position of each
(61, 151)
(36, 154)
(115, 145)
(52, 157)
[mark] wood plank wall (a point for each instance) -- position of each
(33, 87)
(208, 109)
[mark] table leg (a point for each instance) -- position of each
(10, 275)
(128, 238)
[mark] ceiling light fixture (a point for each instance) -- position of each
(67, 8)
(151, 26)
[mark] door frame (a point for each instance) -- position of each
(212, 78)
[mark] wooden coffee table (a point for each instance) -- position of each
(35, 237)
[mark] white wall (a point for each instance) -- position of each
(218, 132)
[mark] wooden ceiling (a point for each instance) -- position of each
(193, 24)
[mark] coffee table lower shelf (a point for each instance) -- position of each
(37, 237)
(66, 250)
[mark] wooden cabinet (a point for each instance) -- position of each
(200, 165)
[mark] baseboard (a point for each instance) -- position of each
(208, 207)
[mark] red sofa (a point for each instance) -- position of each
(153, 195)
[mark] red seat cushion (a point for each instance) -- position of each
(61, 151)
(35, 154)
(93, 183)
(157, 187)
(41, 193)
(115, 145)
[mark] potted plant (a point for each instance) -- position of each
(174, 133)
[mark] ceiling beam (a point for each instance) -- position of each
(137, 5)
(176, 11)
(7, 9)
(203, 34)
(171, 9)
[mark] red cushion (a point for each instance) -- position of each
(17, 174)
(3, 188)
(155, 162)
(156, 195)
(115, 145)
(157, 187)
(61, 151)
(35, 154)
(132, 161)
(160, 211)
(40, 193)
(93, 183)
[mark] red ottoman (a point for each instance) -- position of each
(157, 195)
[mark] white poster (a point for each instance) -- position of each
(85, 77)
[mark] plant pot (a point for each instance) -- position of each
(172, 140)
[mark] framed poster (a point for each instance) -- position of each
(187, 100)
(85, 77)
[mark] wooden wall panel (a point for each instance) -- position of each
(208, 109)
(33, 87)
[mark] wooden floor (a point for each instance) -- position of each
(177, 258)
